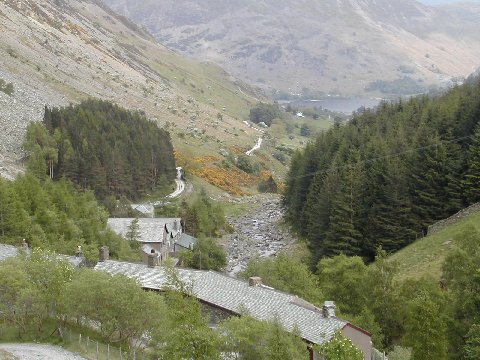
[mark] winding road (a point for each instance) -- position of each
(180, 185)
(178, 191)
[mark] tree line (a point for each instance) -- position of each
(100, 146)
(386, 175)
(412, 319)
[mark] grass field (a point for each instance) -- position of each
(426, 256)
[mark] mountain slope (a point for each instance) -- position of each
(332, 45)
(60, 51)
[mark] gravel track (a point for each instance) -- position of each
(36, 352)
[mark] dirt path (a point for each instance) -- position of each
(36, 352)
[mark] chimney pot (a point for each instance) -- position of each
(151, 259)
(104, 253)
(328, 309)
(255, 281)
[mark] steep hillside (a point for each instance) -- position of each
(54, 52)
(426, 256)
(336, 46)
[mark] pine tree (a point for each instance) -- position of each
(342, 236)
(471, 181)
(133, 234)
(428, 179)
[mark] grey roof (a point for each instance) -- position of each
(150, 229)
(186, 241)
(263, 303)
(7, 251)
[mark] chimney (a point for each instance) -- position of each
(104, 253)
(255, 281)
(151, 258)
(328, 309)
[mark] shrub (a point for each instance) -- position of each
(247, 164)
(5, 87)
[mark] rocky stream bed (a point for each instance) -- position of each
(257, 233)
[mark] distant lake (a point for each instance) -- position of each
(346, 106)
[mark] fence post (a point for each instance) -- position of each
(97, 350)
(88, 341)
(134, 355)
(120, 353)
(79, 339)
(108, 351)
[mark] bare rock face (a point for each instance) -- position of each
(336, 46)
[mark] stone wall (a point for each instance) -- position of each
(462, 214)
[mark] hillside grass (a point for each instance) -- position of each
(426, 256)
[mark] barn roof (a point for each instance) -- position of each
(236, 296)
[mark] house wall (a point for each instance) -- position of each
(214, 314)
(360, 339)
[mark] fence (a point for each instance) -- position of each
(93, 349)
(462, 214)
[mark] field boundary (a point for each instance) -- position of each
(462, 214)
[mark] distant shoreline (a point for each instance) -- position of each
(346, 106)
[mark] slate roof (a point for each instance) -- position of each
(233, 295)
(150, 229)
(186, 241)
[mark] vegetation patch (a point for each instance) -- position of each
(102, 147)
(6, 88)
(56, 216)
(229, 180)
